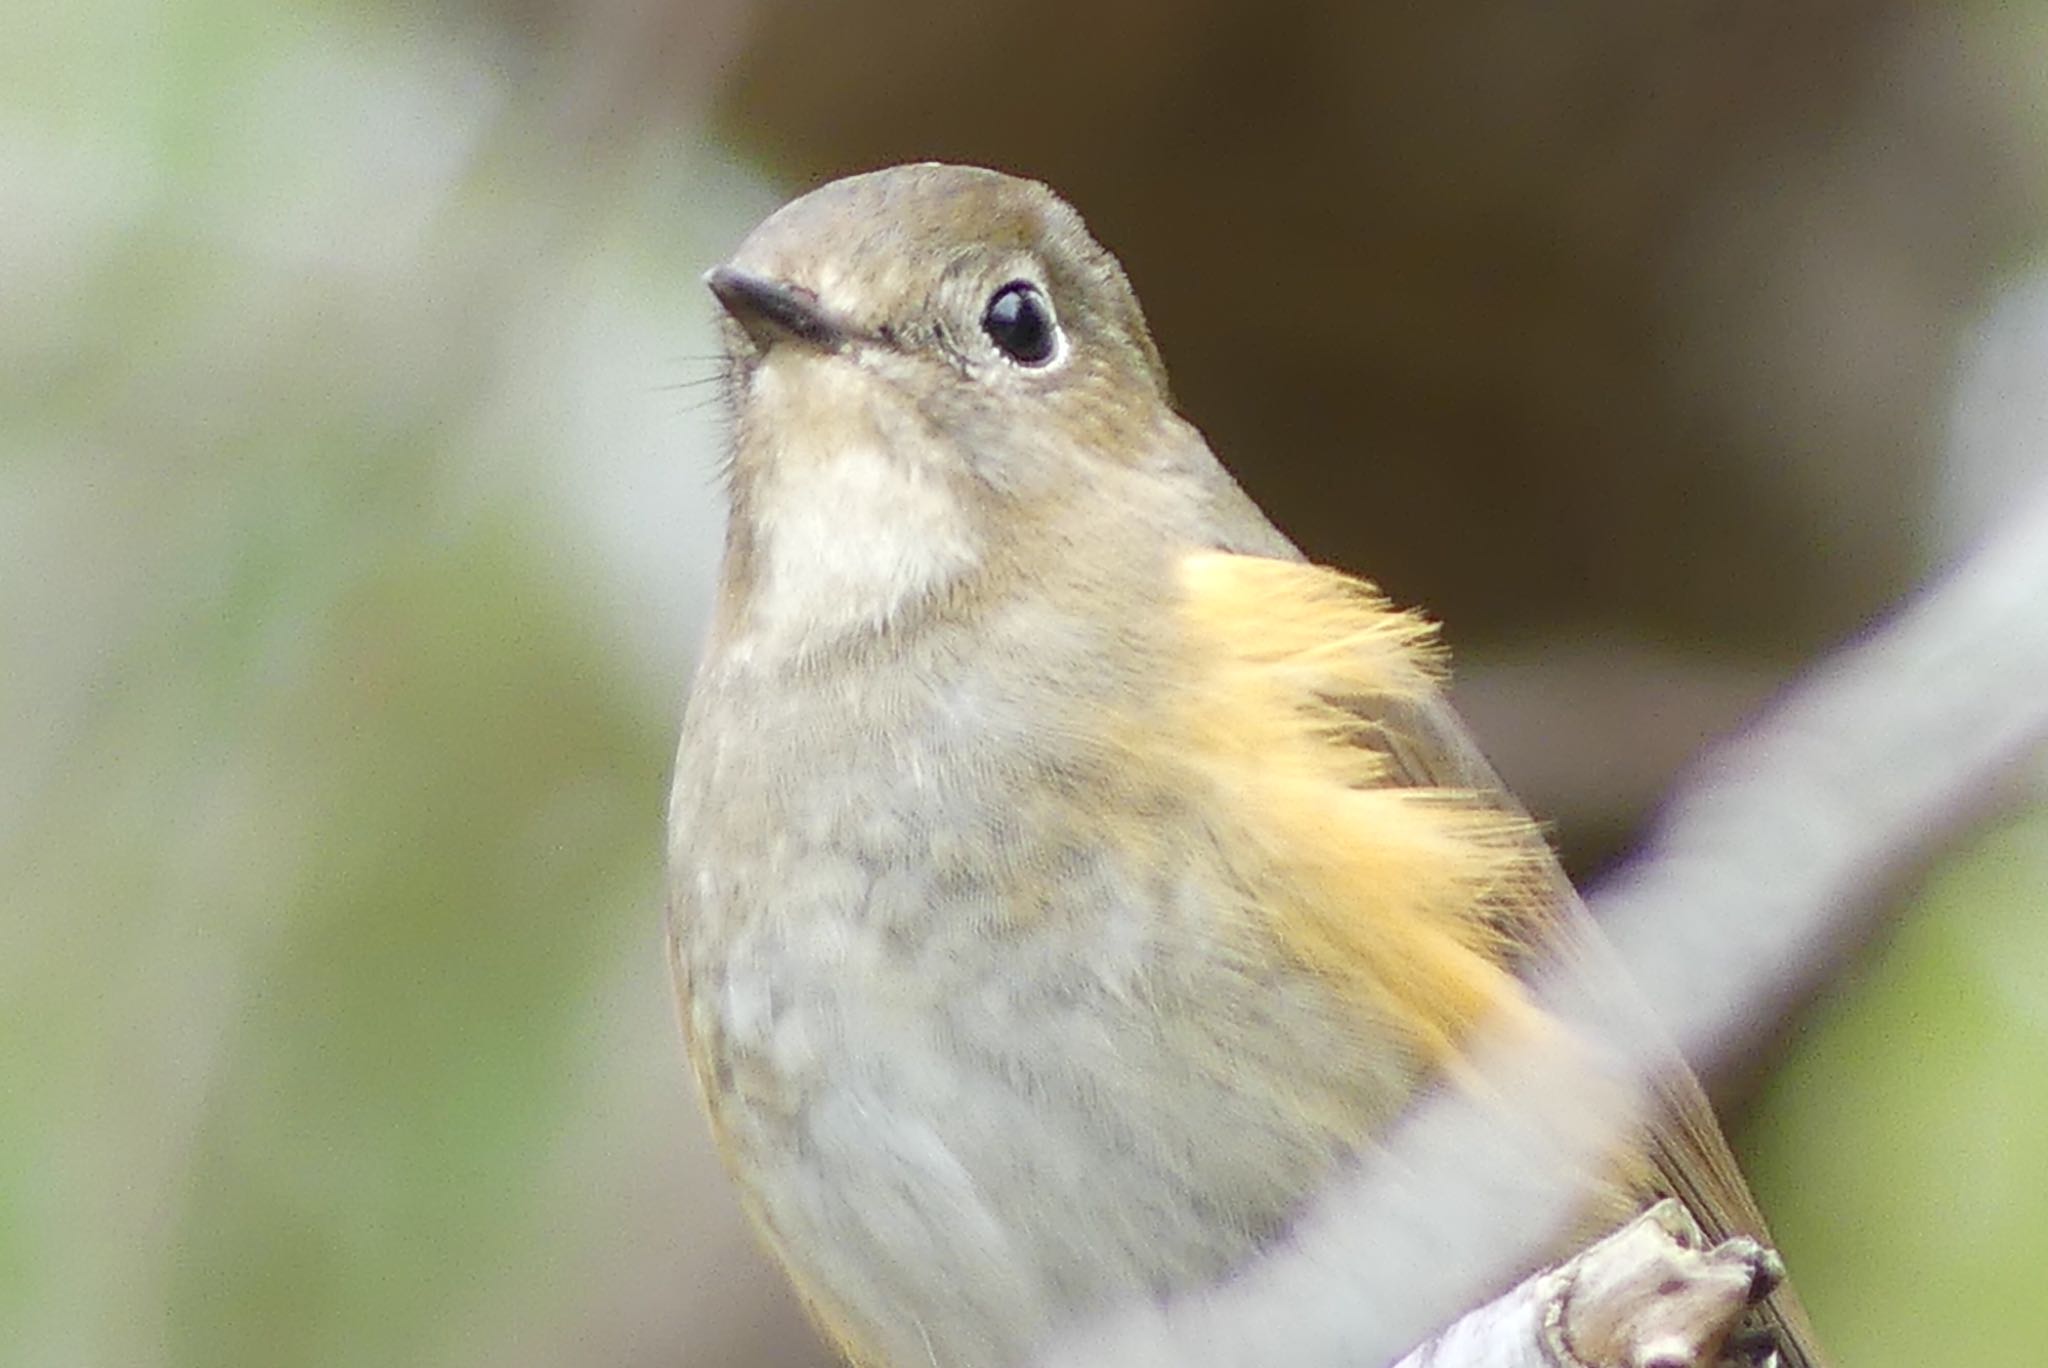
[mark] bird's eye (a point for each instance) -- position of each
(1019, 321)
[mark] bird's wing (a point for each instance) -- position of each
(1412, 877)
(1428, 745)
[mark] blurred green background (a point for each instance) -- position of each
(358, 508)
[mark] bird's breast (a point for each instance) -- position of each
(1058, 958)
(984, 1026)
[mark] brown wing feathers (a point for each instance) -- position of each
(1401, 863)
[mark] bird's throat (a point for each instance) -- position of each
(849, 531)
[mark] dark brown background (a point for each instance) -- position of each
(1600, 322)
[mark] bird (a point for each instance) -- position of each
(1068, 880)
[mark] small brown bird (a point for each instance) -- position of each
(1066, 878)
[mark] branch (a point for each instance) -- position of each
(1651, 1293)
(1776, 850)
(1771, 856)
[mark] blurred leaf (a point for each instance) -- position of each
(480, 790)
(1899, 1150)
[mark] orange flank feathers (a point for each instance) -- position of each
(1396, 895)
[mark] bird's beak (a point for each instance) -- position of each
(772, 312)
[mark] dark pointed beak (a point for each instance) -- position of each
(773, 312)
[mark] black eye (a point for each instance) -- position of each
(1019, 321)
